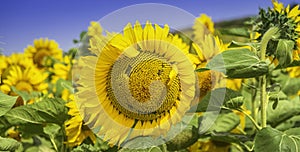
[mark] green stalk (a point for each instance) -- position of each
(271, 33)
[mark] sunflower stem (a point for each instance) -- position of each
(271, 33)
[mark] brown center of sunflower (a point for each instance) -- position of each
(143, 87)
(38, 58)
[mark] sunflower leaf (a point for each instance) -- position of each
(6, 103)
(243, 32)
(284, 52)
(8, 144)
(224, 123)
(217, 98)
(46, 111)
(269, 139)
(284, 111)
(238, 63)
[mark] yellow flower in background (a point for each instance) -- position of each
(294, 72)
(203, 25)
(15, 59)
(29, 79)
(62, 70)
(43, 48)
(211, 46)
(94, 29)
(76, 131)
(140, 82)
(206, 145)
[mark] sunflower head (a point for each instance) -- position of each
(287, 19)
(41, 49)
(138, 83)
(15, 59)
(28, 80)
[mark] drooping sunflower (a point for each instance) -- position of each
(76, 131)
(288, 20)
(139, 83)
(43, 48)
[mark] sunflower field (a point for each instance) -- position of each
(217, 87)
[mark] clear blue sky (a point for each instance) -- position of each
(22, 21)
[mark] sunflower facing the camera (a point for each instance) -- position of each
(138, 83)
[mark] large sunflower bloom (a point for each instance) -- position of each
(138, 84)
(43, 48)
(76, 131)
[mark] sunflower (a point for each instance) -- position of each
(212, 46)
(76, 131)
(43, 48)
(28, 80)
(288, 19)
(15, 59)
(94, 29)
(203, 25)
(62, 70)
(139, 83)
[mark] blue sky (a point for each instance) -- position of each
(63, 20)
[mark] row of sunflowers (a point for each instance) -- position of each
(91, 99)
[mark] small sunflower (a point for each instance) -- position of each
(139, 83)
(76, 131)
(29, 79)
(15, 59)
(212, 46)
(203, 25)
(43, 48)
(62, 70)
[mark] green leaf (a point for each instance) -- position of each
(284, 52)
(46, 111)
(55, 135)
(8, 144)
(238, 63)
(243, 32)
(83, 35)
(217, 98)
(25, 95)
(142, 144)
(290, 123)
(284, 111)
(289, 86)
(62, 84)
(269, 139)
(230, 138)
(235, 44)
(6, 103)
(224, 123)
